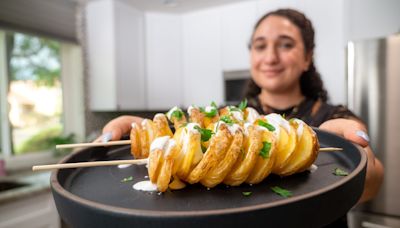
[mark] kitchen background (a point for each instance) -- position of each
(96, 60)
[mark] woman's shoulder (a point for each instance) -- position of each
(323, 111)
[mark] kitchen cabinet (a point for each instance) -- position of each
(164, 87)
(115, 39)
(237, 22)
(202, 68)
(35, 211)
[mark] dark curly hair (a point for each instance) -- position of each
(310, 81)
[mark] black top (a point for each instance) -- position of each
(312, 112)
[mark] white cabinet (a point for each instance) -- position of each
(36, 211)
(237, 22)
(202, 68)
(164, 61)
(115, 38)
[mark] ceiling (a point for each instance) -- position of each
(176, 6)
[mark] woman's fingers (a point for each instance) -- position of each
(117, 127)
(351, 130)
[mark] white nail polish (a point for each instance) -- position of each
(106, 137)
(363, 135)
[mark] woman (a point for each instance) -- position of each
(285, 81)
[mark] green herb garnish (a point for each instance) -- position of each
(340, 172)
(265, 150)
(266, 125)
(213, 104)
(127, 179)
(234, 109)
(177, 113)
(243, 104)
(282, 192)
(227, 120)
(205, 133)
(246, 193)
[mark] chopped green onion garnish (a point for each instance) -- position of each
(340, 172)
(126, 179)
(205, 133)
(243, 104)
(213, 104)
(178, 114)
(265, 150)
(246, 193)
(266, 125)
(227, 120)
(282, 192)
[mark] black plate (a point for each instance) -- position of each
(96, 197)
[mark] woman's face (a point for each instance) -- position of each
(278, 55)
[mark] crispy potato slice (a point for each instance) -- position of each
(218, 146)
(243, 166)
(155, 161)
(196, 116)
(177, 117)
(176, 184)
(191, 150)
(305, 154)
(217, 174)
(264, 165)
(161, 125)
(136, 148)
(167, 163)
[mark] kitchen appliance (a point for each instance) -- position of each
(234, 85)
(374, 95)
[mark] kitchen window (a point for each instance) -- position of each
(37, 76)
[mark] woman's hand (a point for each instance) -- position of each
(117, 127)
(356, 132)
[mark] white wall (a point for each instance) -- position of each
(164, 60)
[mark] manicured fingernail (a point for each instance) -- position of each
(106, 137)
(363, 135)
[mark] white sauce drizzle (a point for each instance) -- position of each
(300, 127)
(190, 109)
(159, 143)
(273, 117)
(252, 115)
(312, 168)
(237, 115)
(210, 108)
(169, 113)
(190, 127)
(145, 186)
(123, 166)
(246, 128)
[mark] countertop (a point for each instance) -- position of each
(34, 183)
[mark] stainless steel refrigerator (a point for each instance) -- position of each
(374, 94)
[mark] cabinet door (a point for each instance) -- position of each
(164, 61)
(115, 38)
(202, 71)
(237, 22)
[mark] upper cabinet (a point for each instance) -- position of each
(115, 38)
(163, 61)
(237, 22)
(202, 71)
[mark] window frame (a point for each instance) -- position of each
(73, 105)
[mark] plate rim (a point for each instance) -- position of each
(56, 186)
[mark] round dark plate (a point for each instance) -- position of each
(97, 196)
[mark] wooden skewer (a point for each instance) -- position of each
(128, 142)
(330, 149)
(122, 162)
(90, 164)
(94, 144)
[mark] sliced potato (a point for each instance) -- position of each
(161, 125)
(264, 165)
(177, 117)
(305, 153)
(243, 166)
(218, 147)
(217, 174)
(136, 148)
(191, 149)
(196, 116)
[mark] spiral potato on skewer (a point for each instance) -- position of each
(231, 145)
